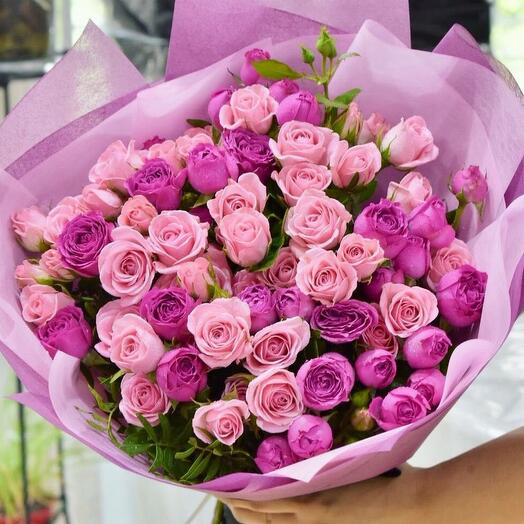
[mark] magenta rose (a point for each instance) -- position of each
(426, 348)
(291, 302)
(357, 165)
(302, 106)
(429, 383)
(429, 221)
(261, 304)
(41, 303)
(326, 381)
(274, 453)
(67, 331)
(381, 276)
(411, 191)
(29, 226)
(283, 88)
(460, 295)
(471, 184)
(153, 141)
(376, 368)
(216, 101)
(447, 259)
(414, 258)
(283, 271)
(248, 74)
(309, 436)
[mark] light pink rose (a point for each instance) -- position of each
(303, 142)
(185, 143)
(97, 198)
(221, 331)
(364, 254)
(377, 336)
(27, 273)
(52, 264)
(316, 221)
(176, 237)
(40, 303)
(142, 397)
(29, 226)
(447, 259)
(373, 128)
(106, 317)
(167, 151)
(126, 265)
(353, 122)
(67, 209)
(294, 179)
(247, 193)
(137, 212)
(282, 272)
(411, 191)
(278, 345)
(223, 419)
(410, 143)
(134, 345)
(251, 107)
(246, 236)
(406, 309)
(324, 277)
(346, 163)
(245, 278)
(275, 400)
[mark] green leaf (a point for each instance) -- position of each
(275, 70)
(213, 469)
(150, 430)
(198, 467)
(348, 97)
(183, 455)
(201, 200)
(104, 406)
(216, 135)
(113, 378)
(135, 444)
(278, 239)
(196, 122)
(330, 103)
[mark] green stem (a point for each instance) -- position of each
(218, 516)
(458, 216)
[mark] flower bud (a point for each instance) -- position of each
(307, 55)
(471, 184)
(361, 420)
(301, 106)
(248, 73)
(326, 44)
(361, 399)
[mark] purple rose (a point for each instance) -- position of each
(209, 168)
(167, 310)
(237, 385)
(291, 302)
(302, 106)
(261, 304)
(429, 383)
(399, 407)
(279, 90)
(67, 331)
(81, 242)
(326, 381)
(309, 436)
(181, 375)
(251, 152)
(202, 212)
(248, 74)
(217, 100)
(414, 258)
(381, 276)
(460, 295)
(376, 368)
(429, 221)
(426, 348)
(345, 321)
(158, 182)
(274, 453)
(471, 183)
(386, 222)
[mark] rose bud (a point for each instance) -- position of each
(309, 436)
(261, 306)
(460, 295)
(414, 259)
(429, 383)
(361, 420)
(361, 398)
(248, 74)
(376, 368)
(326, 381)
(429, 221)
(27, 274)
(291, 302)
(352, 124)
(426, 348)
(217, 100)
(373, 127)
(354, 165)
(209, 168)
(97, 198)
(283, 88)
(411, 191)
(236, 385)
(29, 226)
(471, 184)
(274, 453)
(67, 331)
(302, 106)
(399, 407)
(381, 276)
(181, 375)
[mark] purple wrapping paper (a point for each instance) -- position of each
(472, 113)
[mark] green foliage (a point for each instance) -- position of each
(275, 70)
(278, 238)
(196, 122)
(308, 56)
(326, 44)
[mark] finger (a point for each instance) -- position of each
(270, 507)
(245, 516)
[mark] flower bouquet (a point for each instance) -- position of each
(275, 274)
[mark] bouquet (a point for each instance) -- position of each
(275, 297)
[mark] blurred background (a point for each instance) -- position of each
(50, 477)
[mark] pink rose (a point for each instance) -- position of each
(353, 123)
(106, 317)
(137, 212)
(447, 259)
(278, 345)
(377, 336)
(223, 419)
(410, 143)
(294, 179)
(52, 264)
(243, 279)
(324, 277)
(364, 254)
(361, 162)
(247, 193)
(282, 272)
(97, 198)
(176, 237)
(142, 397)
(41, 303)
(274, 398)
(29, 226)
(221, 331)
(246, 236)
(27, 273)
(406, 309)
(67, 209)
(185, 143)
(251, 107)
(372, 128)
(166, 150)
(316, 221)
(411, 191)
(303, 142)
(126, 265)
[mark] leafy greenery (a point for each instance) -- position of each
(275, 70)
(278, 238)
